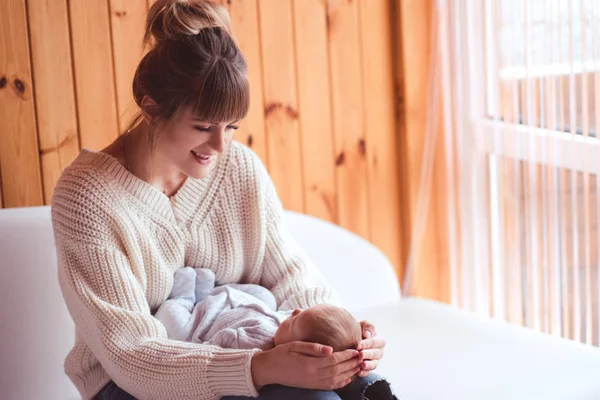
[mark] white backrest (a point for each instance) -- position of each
(360, 272)
(37, 331)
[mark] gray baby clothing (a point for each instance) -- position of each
(241, 316)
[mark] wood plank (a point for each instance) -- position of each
(128, 18)
(54, 91)
(280, 101)
(244, 21)
(94, 74)
(380, 132)
(401, 129)
(19, 152)
(414, 35)
(314, 99)
(1, 201)
(348, 116)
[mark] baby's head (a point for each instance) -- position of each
(324, 324)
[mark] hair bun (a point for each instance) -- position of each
(174, 19)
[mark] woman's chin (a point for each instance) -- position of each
(197, 170)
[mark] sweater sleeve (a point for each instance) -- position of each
(109, 308)
(287, 271)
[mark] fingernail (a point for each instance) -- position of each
(367, 334)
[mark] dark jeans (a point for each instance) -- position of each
(372, 387)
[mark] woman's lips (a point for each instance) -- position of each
(203, 159)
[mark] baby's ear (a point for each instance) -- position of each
(296, 312)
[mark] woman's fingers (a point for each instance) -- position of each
(368, 329)
(369, 365)
(311, 365)
(336, 358)
(311, 349)
(372, 343)
(372, 354)
(371, 351)
(363, 373)
(340, 368)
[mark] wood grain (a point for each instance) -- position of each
(381, 128)
(21, 178)
(94, 73)
(414, 42)
(314, 98)
(128, 19)
(54, 89)
(348, 116)
(244, 20)
(280, 101)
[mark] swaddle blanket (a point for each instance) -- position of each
(241, 316)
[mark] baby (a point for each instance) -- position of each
(244, 316)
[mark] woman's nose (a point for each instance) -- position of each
(217, 140)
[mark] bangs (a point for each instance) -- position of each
(224, 96)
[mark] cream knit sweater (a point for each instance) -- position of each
(119, 240)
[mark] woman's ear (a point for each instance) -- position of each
(149, 109)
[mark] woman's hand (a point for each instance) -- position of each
(370, 348)
(305, 365)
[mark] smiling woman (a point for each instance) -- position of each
(188, 147)
(175, 191)
(195, 114)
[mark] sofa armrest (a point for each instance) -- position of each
(359, 271)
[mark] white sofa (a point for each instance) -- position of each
(434, 352)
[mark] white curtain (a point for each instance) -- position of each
(519, 81)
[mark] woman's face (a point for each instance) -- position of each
(192, 145)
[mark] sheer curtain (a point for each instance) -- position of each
(519, 81)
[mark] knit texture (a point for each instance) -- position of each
(119, 241)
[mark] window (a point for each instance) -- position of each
(520, 82)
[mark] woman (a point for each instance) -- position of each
(175, 191)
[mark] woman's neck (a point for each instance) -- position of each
(134, 152)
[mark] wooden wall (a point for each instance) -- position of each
(323, 117)
(430, 257)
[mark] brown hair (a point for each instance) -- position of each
(194, 64)
(333, 326)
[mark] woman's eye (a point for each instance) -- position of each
(234, 127)
(202, 128)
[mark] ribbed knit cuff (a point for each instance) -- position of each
(224, 377)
